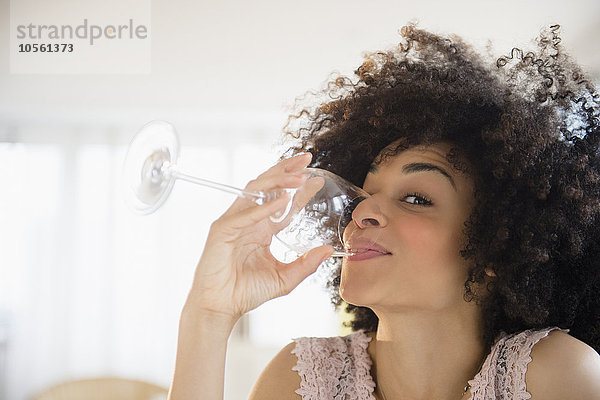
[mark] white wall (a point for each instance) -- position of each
(259, 55)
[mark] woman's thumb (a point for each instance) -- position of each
(297, 271)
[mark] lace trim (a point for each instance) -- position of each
(502, 375)
(338, 368)
(335, 368)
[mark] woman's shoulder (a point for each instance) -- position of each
(543, 363)
(278, 380)
(563, 367)
(283, 375)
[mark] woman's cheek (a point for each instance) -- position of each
(431, 250)
(417, 234)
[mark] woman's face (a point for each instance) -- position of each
(416, 215)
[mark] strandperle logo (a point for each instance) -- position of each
(83, 31)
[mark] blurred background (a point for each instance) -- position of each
(88, 289)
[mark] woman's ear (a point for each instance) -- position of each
(490, 272)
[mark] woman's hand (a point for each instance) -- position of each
(237, 271)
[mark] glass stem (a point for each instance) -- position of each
(257, 197)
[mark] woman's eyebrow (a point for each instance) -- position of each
(413, 168)
(422, 167)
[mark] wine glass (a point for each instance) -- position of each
(316, 214)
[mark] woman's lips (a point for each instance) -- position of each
(366, 254)
(364, 249)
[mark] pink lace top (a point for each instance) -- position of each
(338, 368)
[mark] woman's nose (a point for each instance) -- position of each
(367, 213)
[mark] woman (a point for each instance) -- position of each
(476, 273)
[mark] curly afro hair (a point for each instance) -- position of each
(528, 125)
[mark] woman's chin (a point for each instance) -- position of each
(357, 295)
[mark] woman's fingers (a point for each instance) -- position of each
(301, 198)
(276, 181)
(292, 164)
(306, 192)
(253, 215)
(294, 273)
(279, 176)
(283, 168)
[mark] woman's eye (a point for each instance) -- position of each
(417, 199)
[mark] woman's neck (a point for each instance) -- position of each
(427, 355)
